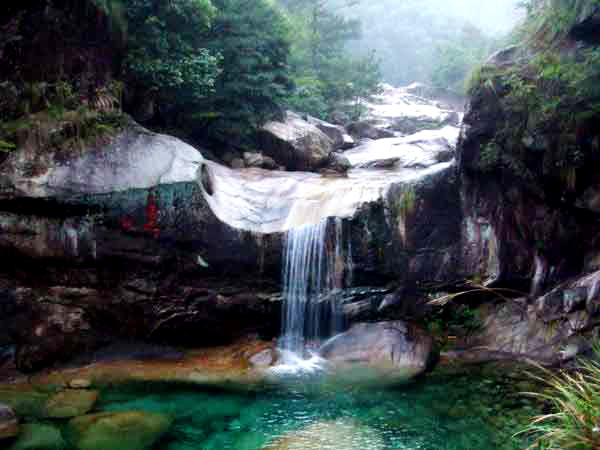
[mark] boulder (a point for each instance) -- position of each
(131, 430)
(35, 436)
(329, 435)
(259, 160)
(393, 345)
(295, 143)
(337, 133)
(366, 130)
(70, 403)
(9, 424)
(263, 359)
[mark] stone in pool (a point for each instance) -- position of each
(330, 435)
(35, 436)
(70, 403)
(129, 430)
(389, 345)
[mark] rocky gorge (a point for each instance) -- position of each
(436, 237)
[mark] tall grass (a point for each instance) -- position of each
(574, 422)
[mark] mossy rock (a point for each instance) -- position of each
(25, 403)
(70, 403)
(38, 437)
(129, 430)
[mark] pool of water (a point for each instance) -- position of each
(441, 411)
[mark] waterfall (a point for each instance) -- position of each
(313, 274)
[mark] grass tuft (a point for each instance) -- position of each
(574, 422)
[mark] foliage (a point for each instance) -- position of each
(252, 38)
(165, 48)
(550, 98)
(456, 57)
(575, 400)
(6, 147)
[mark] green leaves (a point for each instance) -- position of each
(166, 50)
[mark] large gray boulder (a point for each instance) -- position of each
(395, 345)
(295, 143)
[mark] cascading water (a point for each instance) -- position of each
(313, 274)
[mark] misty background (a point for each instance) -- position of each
(431, 41)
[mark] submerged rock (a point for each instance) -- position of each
(396, 345)
(333, 435)
(295, 143)
(131, 430)
(9, 424)
(70, 403)
(35, 436)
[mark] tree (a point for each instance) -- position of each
(165, 49)
(252, 37)
(326, 77)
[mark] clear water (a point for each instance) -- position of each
(454, 412)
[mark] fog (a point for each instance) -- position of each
(433, 41)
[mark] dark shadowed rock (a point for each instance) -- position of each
(259, 160)
(386, 344)
(338, 163)
(9, 424)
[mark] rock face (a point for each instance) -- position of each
(552, 328)
(295, 143)
(9, 424)
(133, 430)
(394, 345)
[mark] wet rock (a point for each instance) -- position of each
(263, 359)
(328, 436)
(133, 430)
(388, 163)
(70, 403)
(39, 437)
(259, 160)
(366, 130)
(9, 423)
(338, 134)
(49, 332)
(395, 345)
(587, 23)
(338, 163)
(80, 383)
(237, 163)
(295, 143)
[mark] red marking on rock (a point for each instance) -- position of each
(151, 225)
